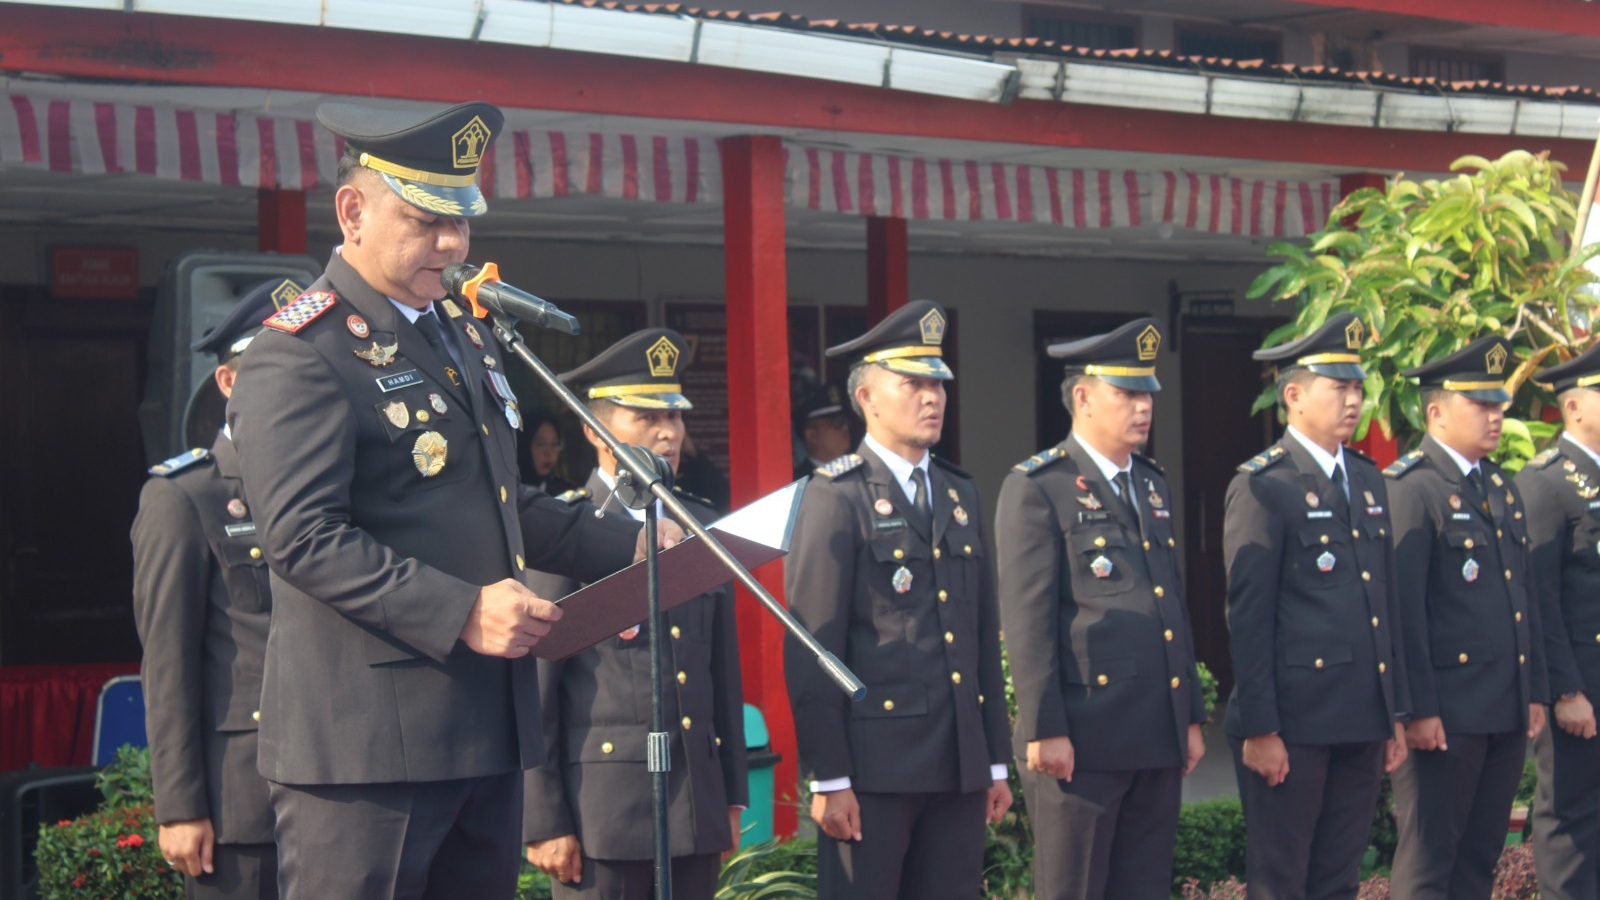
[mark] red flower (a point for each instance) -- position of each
(78, 882)
(94, 851)
(135, 840)
(63, 823)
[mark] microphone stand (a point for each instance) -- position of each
(642, 479)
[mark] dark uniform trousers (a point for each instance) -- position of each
(596, 709)
(385, 484)
(910, 607)
(1102, 653)
(202, 602)
(1473, 647)
(1564, 545)
(1313, 619)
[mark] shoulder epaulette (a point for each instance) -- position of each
(184, 460)
(576, 495)
(1546, 456)
(695, 497)
(1149, 462)
(301, 312)
(841, 465)
(1359, 455)
(1261, 461)
(950, 466)
(1404, 464)
(1039, 460)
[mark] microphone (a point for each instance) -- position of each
(483, 288)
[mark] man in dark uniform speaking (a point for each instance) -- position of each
(890, 569)
(587, 813)
(201, 603)
(1108, 701)
(1314, 625)
(1562, 489)
(1471, 627)
(376, 436)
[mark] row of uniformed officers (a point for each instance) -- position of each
(1418, 624)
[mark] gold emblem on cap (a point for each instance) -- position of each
(662, 358)
(1149, 343)
(932, 325)
(397, 414)
(1353, 334)
(284, 294)
(1495, 359)
(429, 452)
(466, 145)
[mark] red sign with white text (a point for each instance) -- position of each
(94, 273)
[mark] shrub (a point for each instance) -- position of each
(1385, 834)
(1210, 845)
(110, 852)
(770, 870)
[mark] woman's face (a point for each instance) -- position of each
(546, 449)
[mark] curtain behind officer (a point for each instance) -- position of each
(1562, 489)
(1108, 702)
(1471, 632)
(376, 435)
(587, 814)
(889, 568)
(201, 604)
(1313, 621)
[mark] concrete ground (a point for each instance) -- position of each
(1214, 776)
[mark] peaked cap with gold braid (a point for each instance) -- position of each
(1124, 358)
(909, 340)
(1332, 351)
(429, 157)
(640, 371)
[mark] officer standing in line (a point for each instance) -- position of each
(890, 569)
(823, 424)
(1109, 703)
(1313, 620)
(201, 603)
(587, 816)
(1471, 632)
(1562, 490)
(376, 433)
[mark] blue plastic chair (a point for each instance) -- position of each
(119, 718)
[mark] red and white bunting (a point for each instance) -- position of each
(237, 149)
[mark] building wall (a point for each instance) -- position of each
(995, 298)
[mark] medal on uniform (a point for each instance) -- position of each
(954, 496)
(422, 416)
(237, 509)
(1312, 500)
(1588, 493)
(453, 375)
(473, 335)
(901, 580)
(513, 417)
(1455, 501)
(1510, 500)
(1325, 562)
(397, 414)
(1469, 570)
(1155, 499)
(1569, 465)
(1495, 477)
(488, 363)
(357, 326)
(1083, 485)
(882, 507)
(961, 516)
(429, 452)
(378, 355)
(1089, 501)
(1371, 501)
(437, 402)
(1101, 567)
(451, 309)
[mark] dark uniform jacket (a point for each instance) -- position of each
(1563, 520)
(375, 566)
(934, 719)
(596, 708)
(1471, 620)
(1313, 614)
(201, 603)
(1096, 626)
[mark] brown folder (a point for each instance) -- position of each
(756, 534)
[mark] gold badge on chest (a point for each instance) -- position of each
(397, 414)
(429, 453)
(379, 355)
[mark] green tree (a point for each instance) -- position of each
(1432, 266)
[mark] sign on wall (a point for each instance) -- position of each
(94, 273)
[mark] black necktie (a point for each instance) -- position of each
(428, 324)
(1475, 478)
(1342, 486)
(1124, 483)
(919, 499)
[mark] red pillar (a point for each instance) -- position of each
(888, 284)
(1383, 449)
(281, 220)
(759, 439)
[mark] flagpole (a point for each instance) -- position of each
(1586, 199)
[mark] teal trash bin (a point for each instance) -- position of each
(758, 818)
